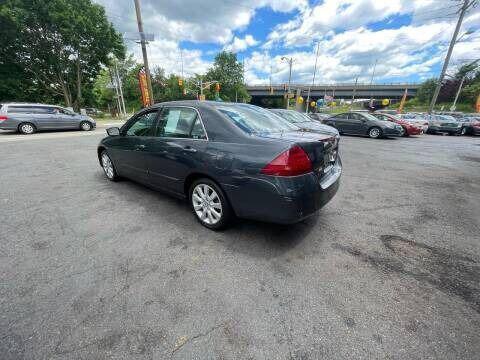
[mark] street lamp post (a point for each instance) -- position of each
(371, 82)
(454, 106)
(290, 63)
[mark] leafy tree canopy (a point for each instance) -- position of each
(59, 47)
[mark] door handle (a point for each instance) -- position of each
(189, 149)
(140, 147)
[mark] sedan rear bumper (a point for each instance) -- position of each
(392, 132)
(284, 200)
(414, 130)
(442, 129)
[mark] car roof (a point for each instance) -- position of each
(28, 104)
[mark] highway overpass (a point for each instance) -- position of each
(338, 91)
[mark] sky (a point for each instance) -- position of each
(407, 39)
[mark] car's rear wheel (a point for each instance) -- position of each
(375, 132)
(108, 167)
(209, 204)
(27, 128)
(405, 132)
(464, 131)
(85, 126)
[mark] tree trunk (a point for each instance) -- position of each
(66, 94)
(79, 85)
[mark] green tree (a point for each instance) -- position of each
(59, 45)
(228, 71)
(471, 92)
(426, 90)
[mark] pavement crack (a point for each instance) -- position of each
(182, 341)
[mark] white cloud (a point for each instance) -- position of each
(167, 55)
(239, 44)
(207, 21)
(349, 43)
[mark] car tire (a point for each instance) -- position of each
(375, 132)
(27, 128)
(405, 133)
(108, 166)
(85, 126)
(463, 131)
(209, 204)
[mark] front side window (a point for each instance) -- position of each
(143, 125)
(180, 122)
(63, 111)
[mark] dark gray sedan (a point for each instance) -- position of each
(363, 123)
(226, 159)
(27, 118)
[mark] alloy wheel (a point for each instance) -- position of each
(207, 204)
(27, 129)
(374, 133)
(108, 166)
(86, 126)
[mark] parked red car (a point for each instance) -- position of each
(408, 128)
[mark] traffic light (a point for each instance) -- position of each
(180, 82)
(217, 87)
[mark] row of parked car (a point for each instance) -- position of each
(390, 123)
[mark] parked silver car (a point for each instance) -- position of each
(27, 118)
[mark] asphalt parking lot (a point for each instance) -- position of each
(97, 270)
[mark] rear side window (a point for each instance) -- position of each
(180, 123)
(30, 109)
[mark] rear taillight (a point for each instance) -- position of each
(3, 117)
(291, 162)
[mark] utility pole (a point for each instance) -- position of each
(144, 49)
(464, 8)
(313, 79)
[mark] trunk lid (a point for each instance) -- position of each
(322, 149)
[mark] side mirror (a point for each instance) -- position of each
(113, 131)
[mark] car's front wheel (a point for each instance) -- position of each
(464, 131)
(209, 204)
(85, 126)
(375, 132)
(108, 167)
(26, 128)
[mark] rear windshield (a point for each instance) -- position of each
(253, 119)
(292, 116)
(371, 117)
